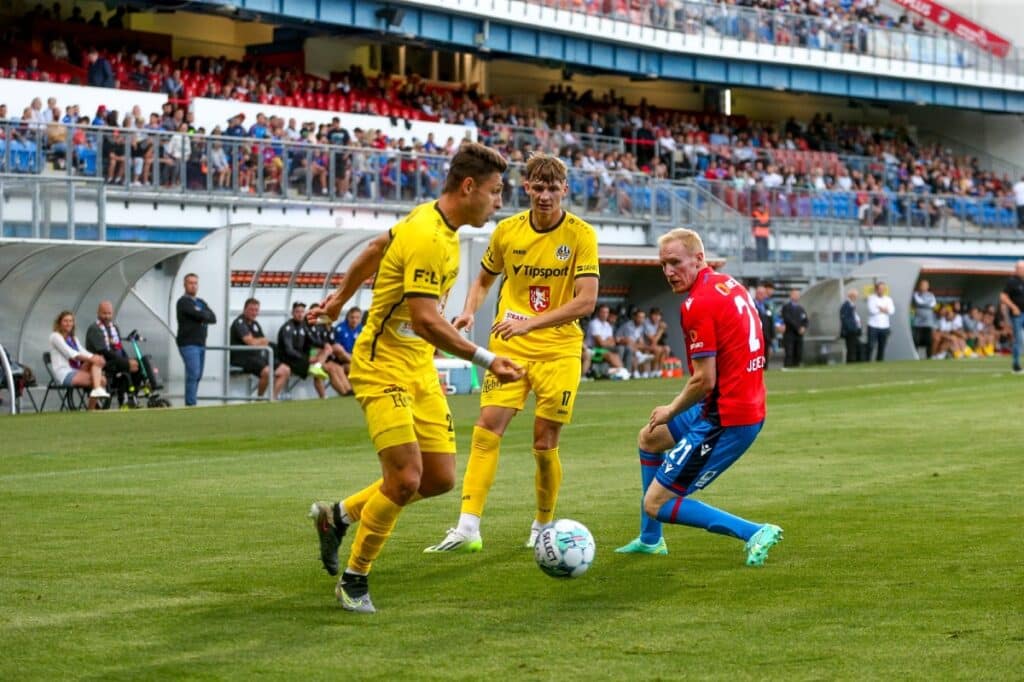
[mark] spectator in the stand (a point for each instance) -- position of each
(1018, 200)
(880, 311)
(761, 221)
(600, 339)
(114, 151)
(194, 317)
(850, 327)
(103, 337)
(795, 319)
(72, 364)
(97, 20)
(924, 304)
(218, 160)
(59, 49)
(76, 16)
(345, 334)
(246, 330)
(172, 85)
(117, 19)
(100, 72)
(1012, 299)
(177, 148)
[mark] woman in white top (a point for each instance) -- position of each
(72, 364)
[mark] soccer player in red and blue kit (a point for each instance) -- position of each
(688, 443)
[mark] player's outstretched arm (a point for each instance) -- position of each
(435, 330)
(365, 264)
(705, 374)
(582, 304)
(474, 299)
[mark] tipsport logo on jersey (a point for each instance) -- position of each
(539, 273)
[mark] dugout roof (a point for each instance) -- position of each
(41, 277)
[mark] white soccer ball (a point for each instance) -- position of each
(565, 549)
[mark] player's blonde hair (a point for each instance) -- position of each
(690, 240)
(543, 167)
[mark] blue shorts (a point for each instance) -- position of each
(69, 377)
(702, 450)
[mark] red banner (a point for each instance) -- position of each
(958, 25)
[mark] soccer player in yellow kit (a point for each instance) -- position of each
(393, 373)
(547, 258)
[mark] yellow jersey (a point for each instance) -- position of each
(539, 271)
(421, 259)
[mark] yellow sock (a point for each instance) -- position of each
(480, 470)
(354, 504)
(378, 520)
(547, 480)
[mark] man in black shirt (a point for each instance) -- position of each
(194, 316)
(302, 349)
(246, 331)
(795, 318)
(103, 337)
(1013, 298)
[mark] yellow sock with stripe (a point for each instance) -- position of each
(480, 470)
(378, 520)
(547, 481)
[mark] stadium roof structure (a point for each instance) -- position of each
(41, 277)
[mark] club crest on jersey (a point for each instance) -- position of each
(540, 298)
(562, 252)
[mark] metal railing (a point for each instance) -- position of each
(107, 164)
(268, 350)
(9, 378)
(784, 31)
(880, 213)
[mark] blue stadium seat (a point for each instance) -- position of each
(988, 214)
(1007, 217)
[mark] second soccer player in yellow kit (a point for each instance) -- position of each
(547, 258)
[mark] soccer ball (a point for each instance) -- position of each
(565, 549)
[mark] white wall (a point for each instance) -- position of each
(18, 94)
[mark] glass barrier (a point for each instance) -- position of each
(148, 163)
(876, 211)
(848, 35)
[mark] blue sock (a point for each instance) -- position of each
(650, 529)
(690, 512)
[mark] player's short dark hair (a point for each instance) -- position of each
(473, 160)
(191, 274)
(298, 304)
(250, 300)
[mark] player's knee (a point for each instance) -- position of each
(645, 439)
(438, 484)
(402, 487)
(651, 507)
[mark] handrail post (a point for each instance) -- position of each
(9, 378)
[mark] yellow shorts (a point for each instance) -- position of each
(400, 413)
(554, 382)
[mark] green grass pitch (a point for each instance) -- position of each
(173, 544)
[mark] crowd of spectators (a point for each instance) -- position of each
(827, 24)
